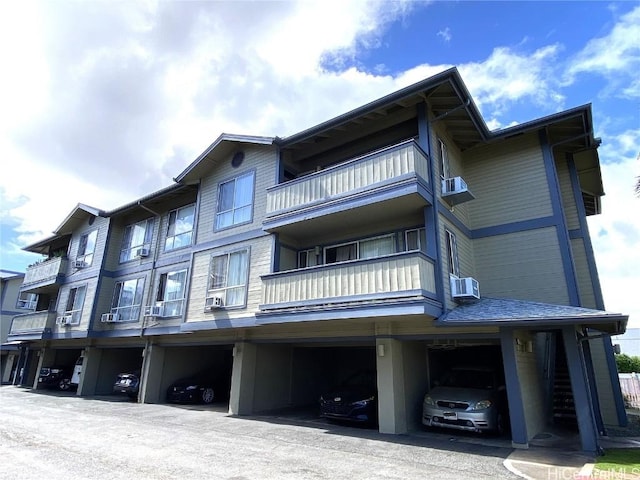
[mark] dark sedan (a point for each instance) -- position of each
(202, 388)
(127, 384)
(354, 400)
(55, 377)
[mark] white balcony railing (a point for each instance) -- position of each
(45, 271)
(349, 178)
(353, 281)
(32, 322)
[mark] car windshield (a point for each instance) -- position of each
(361, 379)
(469, 379)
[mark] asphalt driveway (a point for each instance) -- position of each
(61, 436)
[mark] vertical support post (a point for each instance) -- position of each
(580, 389)
(519, 435)
(392, 415)
(243, 378)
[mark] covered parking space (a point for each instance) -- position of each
(272, 378)
(166, 363)
(531, 335)
(103, 363)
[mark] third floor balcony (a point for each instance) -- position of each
(393, 178)
(44, 276)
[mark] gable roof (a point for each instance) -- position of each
(521, 313)
(224, 145)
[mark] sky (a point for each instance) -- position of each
(102, 102)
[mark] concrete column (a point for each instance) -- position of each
(519, 436)
(243, 379)
(392, 414)
(46, 358)
(151, 375)
(91, 358)
(8, 365)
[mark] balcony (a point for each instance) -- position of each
(397, 173)
(32, 326)
(41, 277)
(389, 279)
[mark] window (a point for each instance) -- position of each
(235, 201)
(136, 237)
(228, 277)
(308, 258)
(127, 299)
(27, 301)
(444, 160)
(452, 253)
(75, 303)
(369, 248)
(87, 247)
(171, 292)
(180, 228)
(415, 239)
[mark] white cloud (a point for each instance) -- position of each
(445, 35)
(616, 53)
(507, 77)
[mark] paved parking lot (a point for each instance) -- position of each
(59, 436)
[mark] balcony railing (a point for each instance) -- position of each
(36, 322)
(395, 276)
(349, 178)
(46, 272)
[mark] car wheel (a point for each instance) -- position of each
(65, 384)
(208, 395)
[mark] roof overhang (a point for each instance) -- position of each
(531, 315)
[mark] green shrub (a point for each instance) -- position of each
(627, 364)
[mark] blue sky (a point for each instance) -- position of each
(103, 102)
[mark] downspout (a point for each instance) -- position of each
(143, 324)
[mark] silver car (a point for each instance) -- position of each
(467, 398)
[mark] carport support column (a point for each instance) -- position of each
(580, 389)
(243, 378)
(90, 370)
(152, 374)
(46, 357)
(392, 416)
(519, 437)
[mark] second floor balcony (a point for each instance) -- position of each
(397, 278)
(45, 275)
(397, 175)
(32, 326)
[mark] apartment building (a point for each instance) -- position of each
(402, 237)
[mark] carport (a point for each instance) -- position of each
(57, 357)
(102, 365)
(166, 363)
(272, 377)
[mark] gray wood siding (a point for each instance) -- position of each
(456, 169)
(585, 285)
(466, 258)
(504, 178)
(87, 307)
(566, 190)
(102, 226)
(259, 264)
(117, 233)
(524, 265)
(261, 159)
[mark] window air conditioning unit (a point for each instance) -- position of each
(154, 311)
(64, 320)
(455, 190)
(79, 264)
(142, 252)
(212, 303)
(464, 288)
(109, 317)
